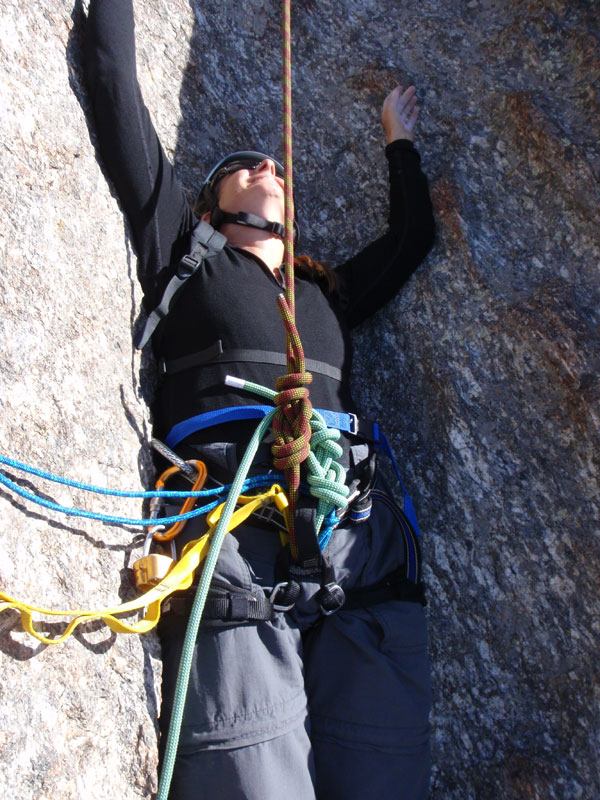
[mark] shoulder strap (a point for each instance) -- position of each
(205, 242)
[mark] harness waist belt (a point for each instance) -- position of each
(341, 421)
(215, 354)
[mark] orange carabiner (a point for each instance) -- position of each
(190, 502)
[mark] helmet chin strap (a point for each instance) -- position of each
(220, 217)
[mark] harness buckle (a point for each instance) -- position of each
(353, 423)
(331, 598)
(271, 515)
(280, 587)
(187, 266)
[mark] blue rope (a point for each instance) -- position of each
(88, 487)
(329, 523)
(249, 483)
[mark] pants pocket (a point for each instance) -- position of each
(368, 676)
(404, 646)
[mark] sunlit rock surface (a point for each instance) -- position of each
(484, 371)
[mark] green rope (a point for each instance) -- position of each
(191, 633)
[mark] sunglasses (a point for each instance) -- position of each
(234, 166)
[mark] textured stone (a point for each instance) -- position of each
(486, 369)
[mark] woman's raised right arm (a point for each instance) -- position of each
(151, 196)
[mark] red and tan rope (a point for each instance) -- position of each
(287, 155)
(291, 425)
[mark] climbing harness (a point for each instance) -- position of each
(364, 429)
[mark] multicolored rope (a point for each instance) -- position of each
(287, 159)
(291, 426)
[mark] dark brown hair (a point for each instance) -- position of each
(320, 273)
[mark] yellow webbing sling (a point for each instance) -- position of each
(179, 577)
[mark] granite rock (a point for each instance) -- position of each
(485, 376)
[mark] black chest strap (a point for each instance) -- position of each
(216, 354)
(205, 243)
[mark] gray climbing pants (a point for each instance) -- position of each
(305, 706)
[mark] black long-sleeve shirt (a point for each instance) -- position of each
(232, 298)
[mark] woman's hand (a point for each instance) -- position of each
(399, 114)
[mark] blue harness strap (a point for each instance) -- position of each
(382, 445)
(341, 421)
(191, 425)
(333, 419)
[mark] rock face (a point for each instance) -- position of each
(484, 371)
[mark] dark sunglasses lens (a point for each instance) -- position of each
(229, 169)
(234, 166)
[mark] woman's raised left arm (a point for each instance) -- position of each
(372, 277)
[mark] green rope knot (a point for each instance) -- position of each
(326, 478)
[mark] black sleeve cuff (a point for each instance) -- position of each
(401, 145)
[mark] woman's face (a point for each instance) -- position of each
(256, 191)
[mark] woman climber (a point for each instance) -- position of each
(310, 676)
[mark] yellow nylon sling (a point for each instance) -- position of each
(179, 577)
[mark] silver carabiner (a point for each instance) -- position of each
(149, 538)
